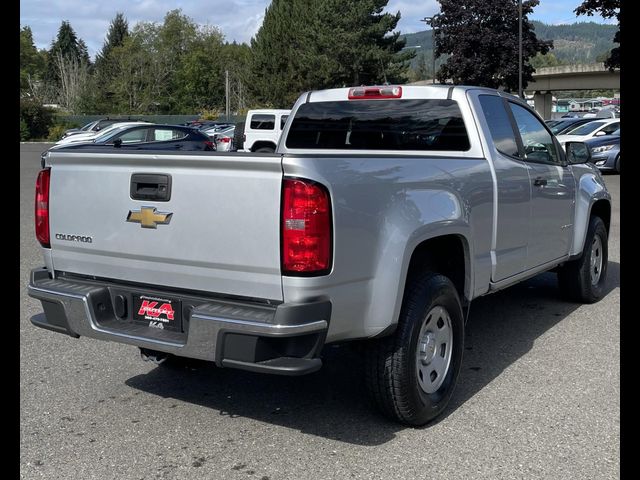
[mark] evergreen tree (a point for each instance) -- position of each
(68, 47)
(422, 70)
(608, 9)
(359, 42)
(482, 39)
(31, 61)
(118, 31)
(83, 52)
(100, 95)
(280, 52)
(307, 45)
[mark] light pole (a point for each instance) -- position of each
(520, 49)
(431, 21)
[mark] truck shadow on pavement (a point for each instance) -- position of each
(332, 403)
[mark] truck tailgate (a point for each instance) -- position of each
(222, 235)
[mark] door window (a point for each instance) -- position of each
(134, 136)
(537, 141)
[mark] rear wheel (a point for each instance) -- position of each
(411, 374)
(265, 150)
(583, 280)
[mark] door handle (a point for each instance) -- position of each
(150, 186)
(540, 182)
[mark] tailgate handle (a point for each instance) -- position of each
(151, 186)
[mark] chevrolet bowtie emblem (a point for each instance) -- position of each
(148, 217)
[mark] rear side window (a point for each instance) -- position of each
(167, 134)
(283, 120)
(612, 127)
(499, 125)
(261, 121)
(379, 125)
(586, 129)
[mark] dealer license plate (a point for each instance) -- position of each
(158, 312)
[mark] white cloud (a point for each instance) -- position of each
(412, 12)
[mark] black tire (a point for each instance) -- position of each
(238, 136)
(575, 277)
(265, 150)
(618, 165)
(392, 373)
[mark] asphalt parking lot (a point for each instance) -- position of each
(538, 397)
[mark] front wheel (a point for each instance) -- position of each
(583, 280)
(618, 164)
(411, 375)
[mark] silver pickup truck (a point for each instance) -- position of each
(384, 212)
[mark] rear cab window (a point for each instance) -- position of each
(410, 124)
(497, 118)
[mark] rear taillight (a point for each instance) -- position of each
(224, 140)
(42, 207)
(362, 93)
(306, 228)
(210, 144)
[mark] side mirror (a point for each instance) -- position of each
(117, 142)
(577, 152)
(601, 133)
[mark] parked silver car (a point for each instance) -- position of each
(222, 136)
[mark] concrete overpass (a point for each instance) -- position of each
(546, 80)
(592, 76)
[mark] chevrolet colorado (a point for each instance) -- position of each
(383, 213)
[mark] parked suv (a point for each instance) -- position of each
(262, 130)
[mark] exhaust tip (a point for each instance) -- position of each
(153, 356)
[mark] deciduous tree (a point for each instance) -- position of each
(481, 38)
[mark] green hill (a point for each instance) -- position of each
(573, 43)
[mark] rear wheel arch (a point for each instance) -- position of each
(448, 255)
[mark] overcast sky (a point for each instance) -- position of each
(239, 20)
